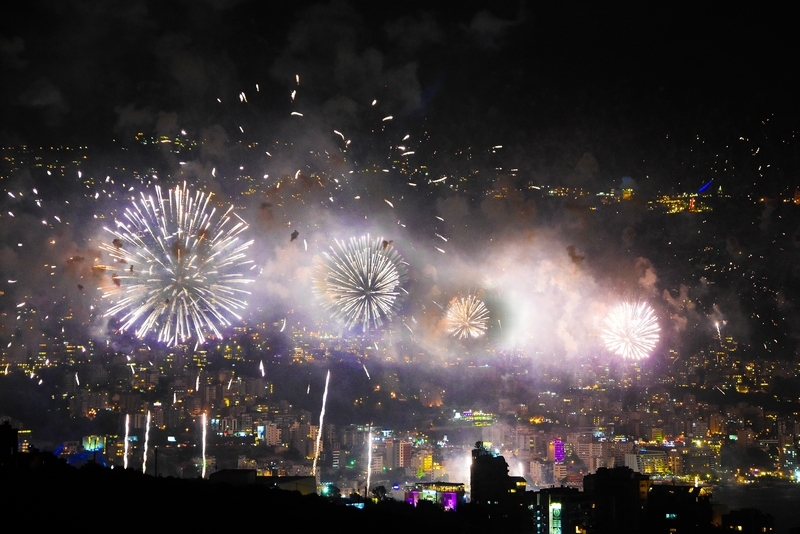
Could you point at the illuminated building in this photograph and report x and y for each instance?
(398, 453)
(24, 437)
(788, 459)
(272, 434)
(648, 462)
(539, 473)
(559, 472)
(477, 418)
(555, 451)
(699, 461)
(561, 510)
(675, 461)
(94, 443)
(444, 493)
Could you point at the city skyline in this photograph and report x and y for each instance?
(543, 164)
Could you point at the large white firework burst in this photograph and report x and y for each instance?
(361, 281)
(466, 317)
(179, 267)
(631, 330)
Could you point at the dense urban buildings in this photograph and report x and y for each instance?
(723, 413)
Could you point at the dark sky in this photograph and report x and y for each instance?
(93, 70)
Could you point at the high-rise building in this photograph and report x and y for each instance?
(561, 510)
(648, 462)
(273, 434)
(555, 451)
(490, 483)
(398, 454)
(619, 496)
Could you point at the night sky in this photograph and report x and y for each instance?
(576, 95)
(508, 70)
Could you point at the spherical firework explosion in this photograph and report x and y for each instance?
(180, 267)
(631, 330)
(361, 282)
(466, 317)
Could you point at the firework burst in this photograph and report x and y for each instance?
(360, 282)
(631, 330)
(179, 267)
(466, 317)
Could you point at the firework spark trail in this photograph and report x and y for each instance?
(321, 421)
(180, 266)
(367, 372)
(203, 470)
(369, 457)
(466, 317)
(361, 281)
(146, 443)
(631, 330)
(127, 435)
(261, 368)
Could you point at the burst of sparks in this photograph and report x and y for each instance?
(631, 330)
(466, 317)
(361, 281)
(179, 267)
